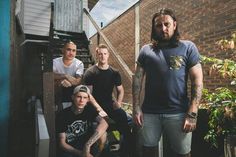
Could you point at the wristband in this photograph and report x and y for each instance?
(192, 115)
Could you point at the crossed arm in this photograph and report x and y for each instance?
(100, 130)
(67, 80)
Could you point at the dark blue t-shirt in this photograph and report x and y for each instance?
(166, 76)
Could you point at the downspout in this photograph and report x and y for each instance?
(137, 31)
(117, 57)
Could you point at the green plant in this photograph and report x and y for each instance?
(226, 67)
(221, 104)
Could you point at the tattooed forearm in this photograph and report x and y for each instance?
(196, 76)
(101, 128)
(196, 93)
(92, 139)
(98, 119)
(137, 87)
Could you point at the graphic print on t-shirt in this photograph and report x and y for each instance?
(176, 62)
(75, 130)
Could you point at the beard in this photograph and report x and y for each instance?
(163, 37)
(163, 40)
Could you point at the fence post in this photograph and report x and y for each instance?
(49, 109)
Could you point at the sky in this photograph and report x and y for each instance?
(107, 10)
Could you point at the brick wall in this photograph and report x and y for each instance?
(121, 35)
(202, 21)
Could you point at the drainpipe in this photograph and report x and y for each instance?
(137, 31)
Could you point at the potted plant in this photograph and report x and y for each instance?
(221, 103)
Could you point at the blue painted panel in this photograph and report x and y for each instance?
(4, 74)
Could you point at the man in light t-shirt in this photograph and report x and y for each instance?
(68, 72)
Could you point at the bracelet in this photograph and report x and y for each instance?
(192, 115)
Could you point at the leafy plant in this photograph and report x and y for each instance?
(221, 104)
(227, 68)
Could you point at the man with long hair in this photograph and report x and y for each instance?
(166, 64)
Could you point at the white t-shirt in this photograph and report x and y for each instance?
(76, 69)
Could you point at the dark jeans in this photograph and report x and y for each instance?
(94, 151)
(121, 120)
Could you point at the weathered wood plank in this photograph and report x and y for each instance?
(49, 109)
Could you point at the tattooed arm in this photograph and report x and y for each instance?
(67, 80)
(74, 80)
(100, 130)
(196, 77)
(136, 90)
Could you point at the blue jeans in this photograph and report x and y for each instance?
(172, 126)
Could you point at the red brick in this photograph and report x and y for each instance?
(202, 21)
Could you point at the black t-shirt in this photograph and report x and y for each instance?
(78, 128)
(103, 82)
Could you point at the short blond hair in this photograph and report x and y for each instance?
(101, 46)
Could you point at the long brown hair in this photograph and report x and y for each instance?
(154, 37)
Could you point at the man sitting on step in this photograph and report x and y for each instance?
(68, 72)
